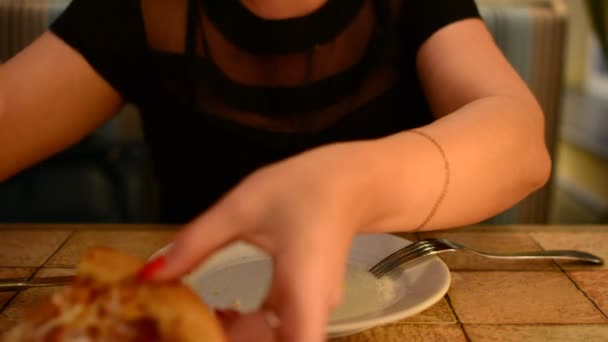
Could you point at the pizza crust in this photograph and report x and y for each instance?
(108, 266)
(105, 295)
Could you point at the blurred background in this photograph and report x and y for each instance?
(558, 46)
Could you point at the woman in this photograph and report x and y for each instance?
(292, 125)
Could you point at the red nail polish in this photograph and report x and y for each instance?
(151, 268)
(227, 315)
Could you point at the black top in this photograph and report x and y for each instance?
(223, 91)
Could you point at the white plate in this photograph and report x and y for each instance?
(239, 275)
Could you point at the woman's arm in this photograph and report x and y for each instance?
(50, 98)
(489, 125)
(304, 211)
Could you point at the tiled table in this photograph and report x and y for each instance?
(488, 300)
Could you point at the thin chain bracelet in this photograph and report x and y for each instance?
(444, 190)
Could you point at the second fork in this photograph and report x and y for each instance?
(423, 248)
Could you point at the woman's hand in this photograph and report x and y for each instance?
(304, 212)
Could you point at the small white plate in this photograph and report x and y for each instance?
(239, 275)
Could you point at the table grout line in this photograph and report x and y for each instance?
(539, 245)
(578, 287)
(41, 264)
(458, 322)
(61, 245)
(6, 304)
(424, 323)
(567, 275)
(36, 270)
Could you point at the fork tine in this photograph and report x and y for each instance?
(399, 255)
(395, 257)
(418, 254)
(411, 259)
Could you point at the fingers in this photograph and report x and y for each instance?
(306, 280)
(251, 327)
(302, 319)
(227, 317)
(195, 242)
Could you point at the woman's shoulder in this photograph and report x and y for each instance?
(100, 19)
(420, 19)
(109, 34)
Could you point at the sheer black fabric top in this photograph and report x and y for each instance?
(223, 91)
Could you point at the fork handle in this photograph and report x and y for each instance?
(556, 254)
(20, 284)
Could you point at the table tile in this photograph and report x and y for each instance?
(438, 313)
(12, 273)
(5, 297)
(492, 242)
(595, 284)
(520, 297)
(528, 228)
(29, 248)
(56, 272)
(29, 298)
(408, 332)
(592, 242)
(15, 272)
(540, 333)
(87, 226)
(138, 243)
(26, 299)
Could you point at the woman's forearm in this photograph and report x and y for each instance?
(3, 170)
(50, 98)
(496, 154)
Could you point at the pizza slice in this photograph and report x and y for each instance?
(105, 302)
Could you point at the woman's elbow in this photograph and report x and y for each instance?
(540, 169)
(538, 163)
(2, 101)
(532, 149)
(4, 174)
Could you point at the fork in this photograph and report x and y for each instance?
(419, 250)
